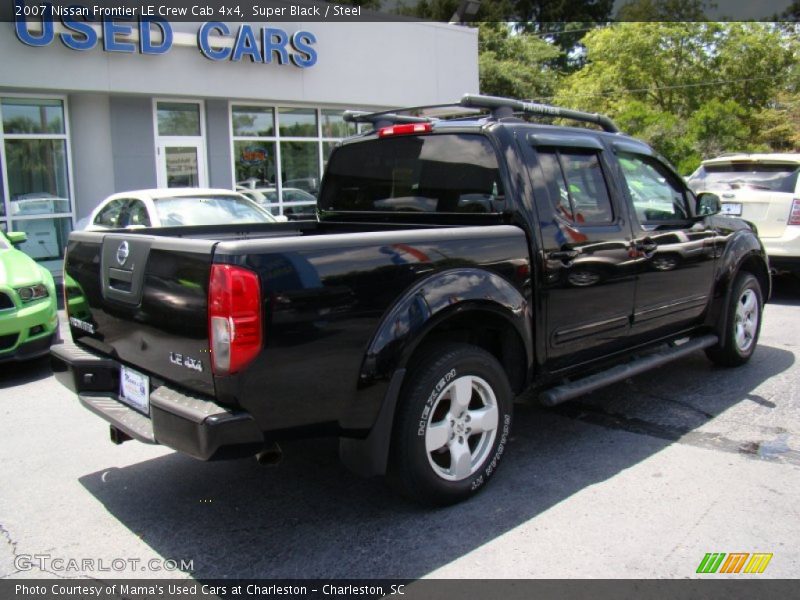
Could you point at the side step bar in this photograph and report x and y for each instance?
(579, 387)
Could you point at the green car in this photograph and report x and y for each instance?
(28, 309)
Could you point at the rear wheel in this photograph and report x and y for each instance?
(452, 426)
(743, 323)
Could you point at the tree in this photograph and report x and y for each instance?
(514, 64)
(692, 89)
(562, 24)
(663, 10)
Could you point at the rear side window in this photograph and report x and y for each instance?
(446, 173)
(135, 214)
(109, 216)
(754, 175)
(577, 186)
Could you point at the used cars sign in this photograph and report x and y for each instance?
(154, 35)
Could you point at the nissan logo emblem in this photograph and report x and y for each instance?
(122, 253)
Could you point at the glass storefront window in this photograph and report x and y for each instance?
(178, 118)
(35, 195)
(257, 121)
(47, 238)
(327, 148)
(269, 156)
(298, 122)
(37, 176)
(255, 164)
(334, 126)
(300, 166)
(32, 115)
(182, 165)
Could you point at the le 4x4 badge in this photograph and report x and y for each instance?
(186, 361)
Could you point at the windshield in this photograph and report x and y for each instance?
(209, 210)
(773, 177)
(450, 173)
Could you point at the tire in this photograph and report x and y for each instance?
(743, 323)
(452, 425)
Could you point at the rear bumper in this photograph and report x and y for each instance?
(184, 422)
(784, 251)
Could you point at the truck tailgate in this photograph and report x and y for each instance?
(143, 300)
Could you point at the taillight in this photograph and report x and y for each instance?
(794, 214)
(406, 129)
(234, 318)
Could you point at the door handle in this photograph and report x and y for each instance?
(647, 247)
(563, 255)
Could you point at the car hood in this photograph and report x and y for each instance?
(18, 269)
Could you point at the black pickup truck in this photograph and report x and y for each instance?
(457, 264)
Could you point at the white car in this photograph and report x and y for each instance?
(175, 207)
(296, 203)
(763, 189)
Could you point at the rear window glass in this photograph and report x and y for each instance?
(208, 210)
(448, 173)
(753, 175)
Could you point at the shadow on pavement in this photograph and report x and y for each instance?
(309, 517)
(785, 290)
(22, 372)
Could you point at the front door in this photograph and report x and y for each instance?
(589, 278)
(676, 253)
(181, 164)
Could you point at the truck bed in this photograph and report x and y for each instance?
(326, 289)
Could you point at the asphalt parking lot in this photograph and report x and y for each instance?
(639, 480)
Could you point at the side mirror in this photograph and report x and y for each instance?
(17, 237)
(281, 218)
(708, 204)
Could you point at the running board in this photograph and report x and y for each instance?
(576, 388)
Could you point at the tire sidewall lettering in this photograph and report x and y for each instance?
(482, 476)
(491, 465)
(437, 390)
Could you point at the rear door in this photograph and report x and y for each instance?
(675, 253)
(589, 277)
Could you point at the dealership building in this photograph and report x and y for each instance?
(93, 108)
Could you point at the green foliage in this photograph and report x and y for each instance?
(663, 10)
(514, 64)
(692, 89)
(558, 22)
(778, 126)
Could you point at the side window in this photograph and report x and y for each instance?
(109, 216)
(656, 193)
(577, 185)
(137, 214)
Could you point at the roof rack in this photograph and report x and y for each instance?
(381, 119)
(500, 108)
(507, 107)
